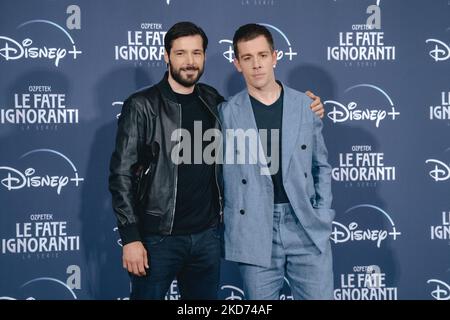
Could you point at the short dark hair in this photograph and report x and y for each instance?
(183, 29)
(249, 32)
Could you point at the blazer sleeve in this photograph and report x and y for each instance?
(321, 169)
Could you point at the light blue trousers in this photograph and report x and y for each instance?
(294, 256)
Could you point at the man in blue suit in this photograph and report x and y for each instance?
(277, 217)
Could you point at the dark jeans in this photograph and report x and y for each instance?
(193, 259)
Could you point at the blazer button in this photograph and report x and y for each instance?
(306, 176)
(244, 181)
(303, 146)
(242, 211)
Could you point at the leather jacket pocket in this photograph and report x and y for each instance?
(146, 169)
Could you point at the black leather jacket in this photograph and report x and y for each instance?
(143, 178)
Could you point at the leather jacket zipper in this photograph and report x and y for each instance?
(176, 173)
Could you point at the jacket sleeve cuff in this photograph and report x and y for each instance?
(129, 233)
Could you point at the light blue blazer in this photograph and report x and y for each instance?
(249, 195)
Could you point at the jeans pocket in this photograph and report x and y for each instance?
(154, 240)
(215, 232)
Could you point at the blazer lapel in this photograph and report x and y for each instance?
(246, 120)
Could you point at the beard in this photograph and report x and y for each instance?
(186, 81)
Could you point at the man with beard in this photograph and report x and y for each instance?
(168, 211)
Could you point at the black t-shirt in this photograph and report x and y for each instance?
(197, 201)
(270, 118)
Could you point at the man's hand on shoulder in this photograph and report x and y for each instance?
(316, 106)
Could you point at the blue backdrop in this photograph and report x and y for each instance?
(381, 68)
